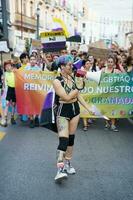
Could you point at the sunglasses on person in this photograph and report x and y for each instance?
(74, 53)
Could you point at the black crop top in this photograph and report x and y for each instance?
(65, 86)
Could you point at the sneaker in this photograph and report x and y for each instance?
(36, 122)
(61, 174)
(13, 120)
(113, 128)
(107, 127)
(85, 128)
(69, 168)
(3, 123)
(32, 125)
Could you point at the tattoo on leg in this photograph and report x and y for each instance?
(62, 124)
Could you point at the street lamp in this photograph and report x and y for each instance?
(38, 19)
(37, 24)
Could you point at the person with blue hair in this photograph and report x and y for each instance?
(67, 98)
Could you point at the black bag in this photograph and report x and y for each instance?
(47, 118)
(47, 115)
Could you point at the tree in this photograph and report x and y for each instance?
(27, 45)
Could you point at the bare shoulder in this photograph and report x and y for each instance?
(56, 83)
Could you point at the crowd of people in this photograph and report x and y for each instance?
(68, 95)
(117, 62)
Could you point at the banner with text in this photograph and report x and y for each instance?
(113, 97)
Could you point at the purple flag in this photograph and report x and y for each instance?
(78, 64)
(48, 100)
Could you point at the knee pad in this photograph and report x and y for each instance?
(71, 140)
(63, 143)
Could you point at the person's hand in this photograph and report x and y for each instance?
(81, 73)
(79, 81)
(44, 56)
(41, 54)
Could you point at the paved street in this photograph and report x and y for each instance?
(103, 160)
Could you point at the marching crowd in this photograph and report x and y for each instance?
(118, 61)
(66, 92)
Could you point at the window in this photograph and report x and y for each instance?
(24, 7)
(16, 6)
(46, 19)
(31, 8)
(83, 25)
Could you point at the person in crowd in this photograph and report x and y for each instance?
(82, 55)
(111, 68)
(124, 58)
(92, 68)
(32, 66)
(11, 96)
(93, 61)
(129, 64)
(87, 67)
(1, 91)
(16, 62)
(1, 79)
(48, 61)
(74, 53)
(34, 53)
(63, 52)
(67, 117)
(24, 58)
(100, 63)
(119, 63)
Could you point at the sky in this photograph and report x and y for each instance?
(113, 9)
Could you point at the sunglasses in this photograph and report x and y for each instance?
(74, 54)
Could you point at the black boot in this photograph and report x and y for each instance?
(13, 120)
(32, 124)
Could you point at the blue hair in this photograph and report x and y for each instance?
(63, 60)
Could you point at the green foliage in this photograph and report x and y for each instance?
(27, 44)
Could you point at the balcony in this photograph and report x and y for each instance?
(27, 22)
(48, 2)
(58, 6)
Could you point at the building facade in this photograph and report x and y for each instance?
(23, 17)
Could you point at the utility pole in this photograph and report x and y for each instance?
(4, 20)
(37, 22)
(38, 19)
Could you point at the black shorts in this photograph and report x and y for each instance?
(68, 110)
(11, 94)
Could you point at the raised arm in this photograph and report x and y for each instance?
(84, 104)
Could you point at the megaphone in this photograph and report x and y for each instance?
(94, 76)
